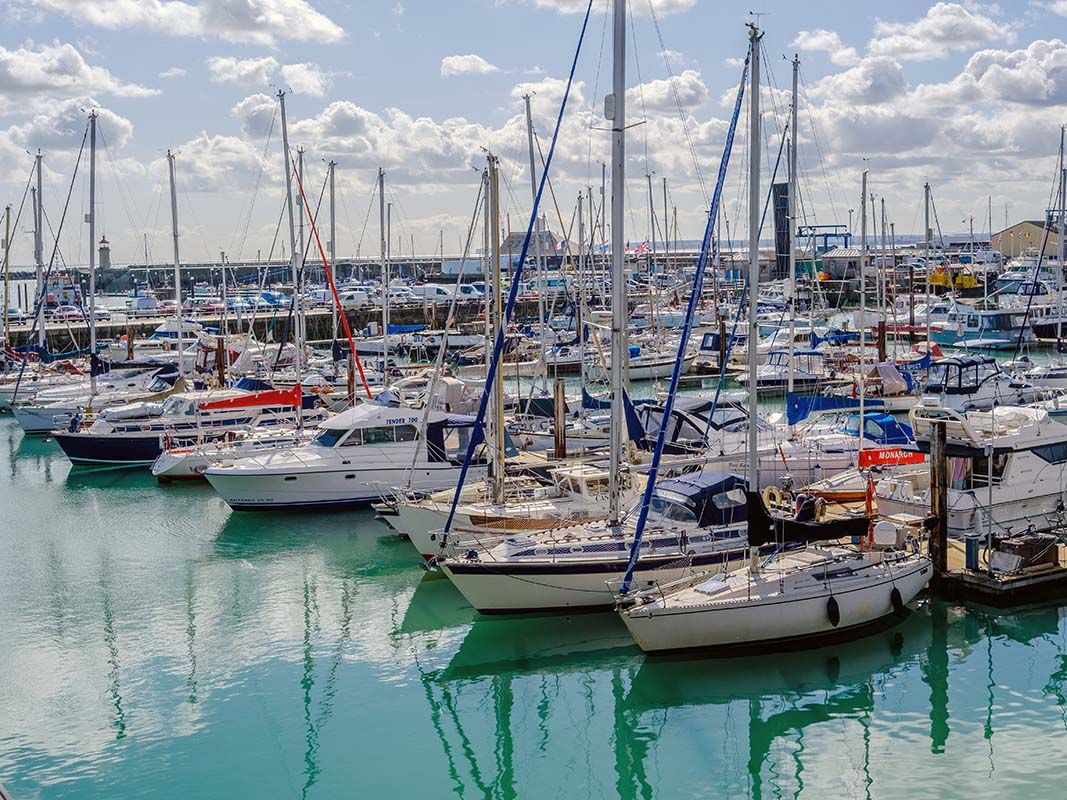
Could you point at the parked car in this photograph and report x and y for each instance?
(17, 316)
(67, 314)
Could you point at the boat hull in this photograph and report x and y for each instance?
(333, 488)
(495, 588)
(774, 621)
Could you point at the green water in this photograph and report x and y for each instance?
(154, 644)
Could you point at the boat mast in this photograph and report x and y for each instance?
(91, 219)
(177, 261)
(926, 257)
(863, 302)
(7, 274)
(754, 195)
(296, 259)
(487, 267)
(385, 277)
(333, 250)
(579, 316)
(615, 112)
(1063, 239)
(793, 224)
(498, 317)
(538, 257)
(38, 248)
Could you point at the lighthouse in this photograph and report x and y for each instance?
(105, 253)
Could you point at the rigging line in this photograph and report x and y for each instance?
(593, 97)
(678, 102)
(683, 341)
(818, 146)
(258, 181)
(120, 184)
(564, 231)
(38, 315)
(353, 353)
(366, 218)
(640, 83)
(22, 205)
(478, 434)
(450, 321)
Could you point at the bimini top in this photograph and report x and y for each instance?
(710, 497)
(966, 361)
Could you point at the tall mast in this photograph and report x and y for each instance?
(301, 321)
(91, 219)
(579, 317)
(651, 236)
(615, 112)
(498, 321)
(538, 256)
(666, 231)
(792, 209)
(753, 257)
(1063, 241)
(38, 248)
(333, 249)
(863, 299)
(177, 261)
(385, 277)
(7, 274)
(926, 257)
(296, 259)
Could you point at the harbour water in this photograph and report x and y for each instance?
(156, 644)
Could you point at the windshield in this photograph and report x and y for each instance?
(329, 437)
(938, 375)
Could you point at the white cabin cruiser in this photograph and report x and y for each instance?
(975, 382)
(359, 456)
(1029, 468)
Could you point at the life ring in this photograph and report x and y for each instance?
(772, 496)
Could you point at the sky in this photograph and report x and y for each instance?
(969, 96)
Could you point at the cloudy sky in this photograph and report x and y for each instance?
(969, 96)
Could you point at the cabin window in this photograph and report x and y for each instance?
(405, 433)
(972, 320)
(388, 434)
(329, 437)
(730, 499)
(1052, 453)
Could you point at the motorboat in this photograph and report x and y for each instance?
(806, 369)
(1029, 456)
(975, 382)
(137, 433)
(358, 456)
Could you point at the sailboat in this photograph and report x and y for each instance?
(695, 522)
(797, 594)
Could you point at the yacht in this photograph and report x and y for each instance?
(804, 595)
(135, 434)
(975, 382)
(56, 407)
(807, 368)
(359, 456)
(1029, 462)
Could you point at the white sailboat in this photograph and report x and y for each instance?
(796, 595)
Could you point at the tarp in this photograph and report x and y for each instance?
(800, 407)
(405, 328)
(764, 529)
(271, 397)
(892, 381)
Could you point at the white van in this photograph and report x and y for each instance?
(431, 291)
(142, 307)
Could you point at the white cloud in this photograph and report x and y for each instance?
(215, 163)
(944, 28)
(822, 40)
(56, 70)
(261, 22)
(470, 64)
(1057, 7)
(173, 72)
(255, 113)
(306, 79)
(242, 71)
(61, 126)
(876, 79)
(657, 95)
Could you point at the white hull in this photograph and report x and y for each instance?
(968, 517)
(773, 617)
(561, 586)
(351, 485)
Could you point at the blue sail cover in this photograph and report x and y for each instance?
(635, 431)
(800, 407)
